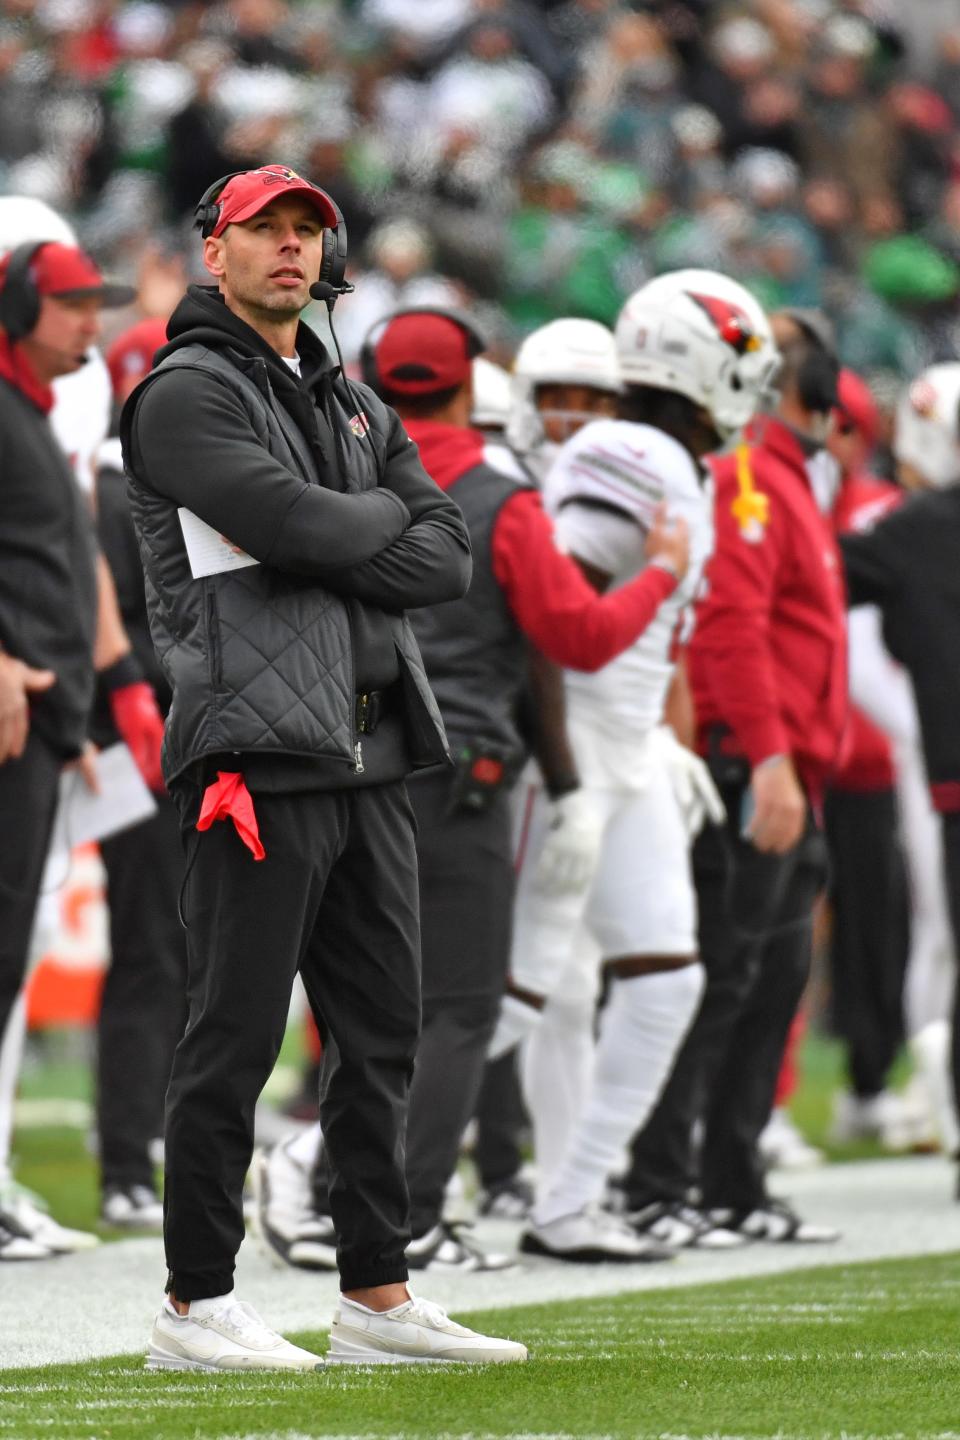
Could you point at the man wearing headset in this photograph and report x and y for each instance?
(53, 619)
(767, 667)
(906, 565)
(525, 592)
(285, 524)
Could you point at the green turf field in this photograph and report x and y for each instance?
(838, 1353)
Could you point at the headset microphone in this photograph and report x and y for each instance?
(323, 290)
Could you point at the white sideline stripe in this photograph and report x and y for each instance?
(886, 1209)
(54, 1114)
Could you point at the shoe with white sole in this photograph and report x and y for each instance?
(14, 1245)
(893, 1120)
(221, 1334)
(291, 1231)
(782, 1147)
(592, 1237)
(510, 1200)
(777, 1222)
(30, 1213)
(448, 1248)
(683, 1227)
(132, 1207)
(415, 1333)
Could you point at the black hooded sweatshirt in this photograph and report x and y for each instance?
(154, 451)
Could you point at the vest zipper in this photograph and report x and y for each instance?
(213, 634)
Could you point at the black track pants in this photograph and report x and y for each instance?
(868, 890)
(466, 902)
(143, 1003)
(755, 942)
(28, 802)
(336, 898)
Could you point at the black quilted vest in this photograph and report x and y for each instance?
(473, 649)
(259, 660)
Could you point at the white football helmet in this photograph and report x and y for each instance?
(565, 352)
(23, 218)
(702, 335)
(927, 434)
(492, 395)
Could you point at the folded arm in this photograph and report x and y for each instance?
(191, 440)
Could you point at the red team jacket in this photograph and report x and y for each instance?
(768, 657)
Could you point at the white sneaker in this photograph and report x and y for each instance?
(14, 1245)
(32, 1218)
(887, 1118)
(684, 1227)
(782, 1147)
(290, 1230)
(221, 1334)
(132, 1207)
(592, 1237)
(415, 1333)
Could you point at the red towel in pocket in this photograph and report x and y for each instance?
(227, 798)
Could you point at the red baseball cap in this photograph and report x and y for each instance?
(421, 351)
(246, 195)
(70, 274)
(132, 352)
(856, 405)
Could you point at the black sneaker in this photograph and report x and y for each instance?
(132, 1207)
(290, 1228)
(447, 1248)
(510, 1200)
(677, 1224)
(777, 1222)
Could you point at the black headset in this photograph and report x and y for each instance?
(370, 375)
(20, 298)
(333, 263)
(818, 369)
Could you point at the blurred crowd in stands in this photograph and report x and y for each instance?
(529, 160)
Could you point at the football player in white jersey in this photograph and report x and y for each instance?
(696, 356)
(565, 374)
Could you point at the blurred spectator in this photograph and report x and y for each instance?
(196, 154)
(846, 134)
(557, 152)
(399, 276)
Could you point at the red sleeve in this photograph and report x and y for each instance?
(732, 635)
(554, 604)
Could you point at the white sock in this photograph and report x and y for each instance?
(11, 1056)
(641, 1031)
(555, 1070)
(304, 1149)
(367, 1310)
(930, 1048)
(199, 1309)
(517, 1021)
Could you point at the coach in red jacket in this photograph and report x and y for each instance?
(768, 671)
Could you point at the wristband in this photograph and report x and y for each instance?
(563, 785)
(125, 671)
